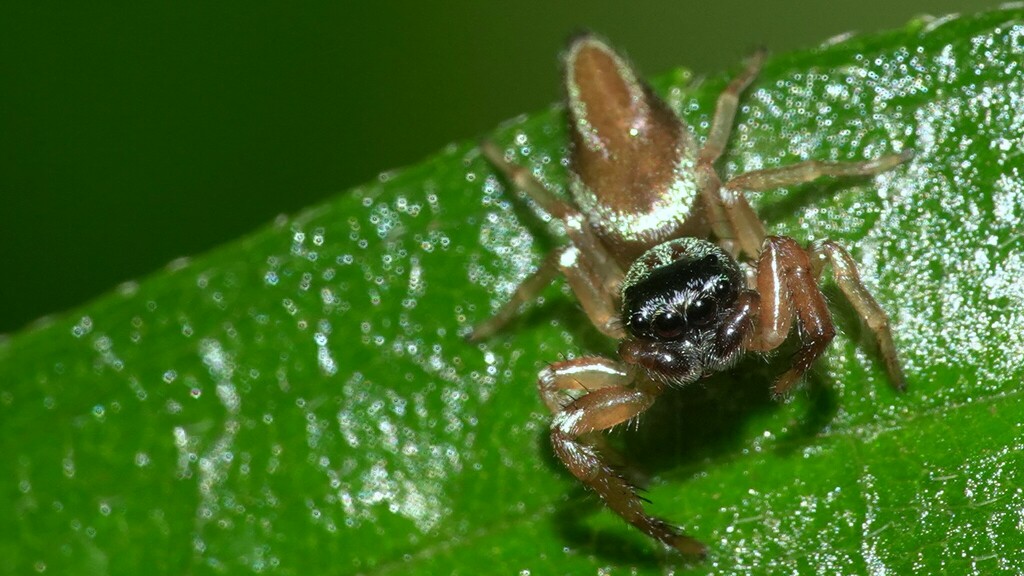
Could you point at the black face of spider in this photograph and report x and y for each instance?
(673, 303)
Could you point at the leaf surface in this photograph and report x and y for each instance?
(302, 400)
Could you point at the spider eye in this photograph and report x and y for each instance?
(668, 324)
(701, 312)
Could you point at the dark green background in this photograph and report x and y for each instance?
(134, 134)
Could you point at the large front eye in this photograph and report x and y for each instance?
(668, 324)
(702, 312)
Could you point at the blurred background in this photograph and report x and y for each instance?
(134, 133)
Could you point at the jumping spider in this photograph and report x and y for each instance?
(645, 201)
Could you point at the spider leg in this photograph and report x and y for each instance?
(522, 179)
(592, 272)
(808, 170)
(787, 287)
(725, 110)
(595, 286)
(844, 271)
(748, 230)
(729, 215)
(738, 228)
(526, 291)
(610, 400)
(562, 382)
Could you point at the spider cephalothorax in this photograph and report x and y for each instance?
(646, 205)
(675, 300)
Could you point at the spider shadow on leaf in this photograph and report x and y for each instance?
(621, 547)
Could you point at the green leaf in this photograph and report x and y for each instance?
(302, 401)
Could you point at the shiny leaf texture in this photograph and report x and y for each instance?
(302, 401)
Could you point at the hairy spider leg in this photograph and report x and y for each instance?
(725, 110)
(808, 170)
(592, 273)
(525, 292)
(611, 399)
(522, 179)
(732, 219)
(788, 288)
(846, 276)
(562, 382)
(748, 228)
(730, 216)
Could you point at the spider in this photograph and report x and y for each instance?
(672, 262)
